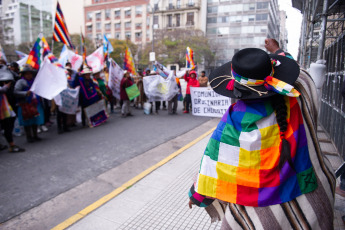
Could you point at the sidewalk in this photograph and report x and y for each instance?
(160, 200)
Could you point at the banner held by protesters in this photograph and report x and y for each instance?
(96, 113)
(206, 102)
(115, 77)
(67, 100)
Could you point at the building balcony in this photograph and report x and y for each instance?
(138, 39)
(172, 7)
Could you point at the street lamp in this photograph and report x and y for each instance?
(153, 17)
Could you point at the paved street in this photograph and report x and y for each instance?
(62, 162)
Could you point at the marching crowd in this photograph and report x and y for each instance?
(33, 113)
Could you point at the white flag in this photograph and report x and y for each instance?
(115, 77)
(68, 55)
(50, 80)
(22, 61)
(96, 59)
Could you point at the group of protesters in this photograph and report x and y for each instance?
(33, 112)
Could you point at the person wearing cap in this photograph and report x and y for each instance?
(263, 165)
(190, 78)
(125, 82)
(30, 110)
(7, 109)
(88, 93)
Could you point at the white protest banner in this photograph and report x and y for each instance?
(96, 113)
(96, 59)
(50, 80)
(115, 77)
(159, 89)
(206, 102)
(67, 100)
(68, 55)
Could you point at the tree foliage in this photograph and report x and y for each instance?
(170, 47)
(119, 49)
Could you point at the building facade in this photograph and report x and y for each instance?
(237, 24)
(117, 19)
(179, 14)
(23, 20)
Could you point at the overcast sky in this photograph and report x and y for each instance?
(74, 15)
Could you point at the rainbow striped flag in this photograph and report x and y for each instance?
(60, 33)
(190, 58)
(128, 63)
(39, 51)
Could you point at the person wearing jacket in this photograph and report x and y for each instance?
(125, 82)
(7, 108)
(30, 110)
(190, 78)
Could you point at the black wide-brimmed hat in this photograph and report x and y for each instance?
(250, 75)
(27, 68)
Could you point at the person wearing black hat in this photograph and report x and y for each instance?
(262, 160)
(30, 110)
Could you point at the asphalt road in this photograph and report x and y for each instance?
(61, 162)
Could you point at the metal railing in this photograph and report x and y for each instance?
(332, 113)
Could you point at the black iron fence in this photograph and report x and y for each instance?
(332, 114)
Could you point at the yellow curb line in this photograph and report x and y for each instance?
(75, 218)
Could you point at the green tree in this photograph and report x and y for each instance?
(119, 50)
(170, 47)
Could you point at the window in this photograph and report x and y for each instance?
(117, 26)
(98, 26)
(138, 35)
(89, 28)
(212, 9)
(128, 35)
(190, 3)
(261, 17)
(117, 13)
(98, 16)
(212, 20)
(248, 18)
(261, 5)
(178, 4)
(117, 35)
(148, 21)
(127, 13)
(107, 26)
(155, 20)
(127, 25)
(260, 29)
(223, 30)
(169, 20)
(236, 18)
(223, 19)
(190, 19)
(249, 6)
(211, 30)
(89, 16)
(107, 13)
(247, 29)
(10, 7)
(156, 7)
(178, 19)
(137, 25)
(138, 10)
(235, 30)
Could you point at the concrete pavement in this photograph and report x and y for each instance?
(159, 200)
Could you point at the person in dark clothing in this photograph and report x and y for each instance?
(7, 108)
(273, 46)
(125, 82)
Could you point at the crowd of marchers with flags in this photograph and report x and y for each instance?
(82, 89)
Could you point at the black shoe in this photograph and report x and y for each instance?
(129, 114)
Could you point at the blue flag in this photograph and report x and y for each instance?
(107, 47)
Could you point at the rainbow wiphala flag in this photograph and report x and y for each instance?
(190, 58)
(39, 51)
(128, 63)
(240, 163)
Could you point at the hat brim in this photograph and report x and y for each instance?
(287, 71)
